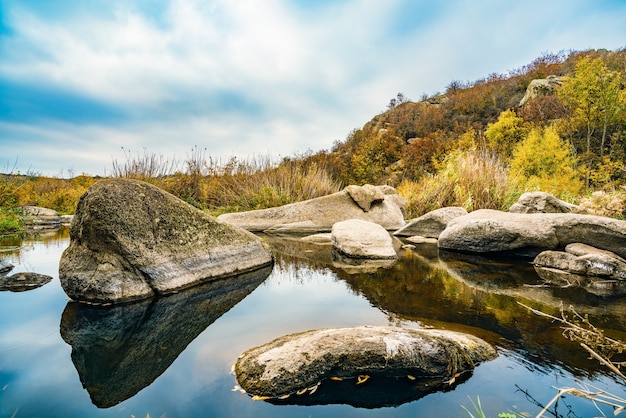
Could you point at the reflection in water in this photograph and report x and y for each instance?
(119, 350)
(477, 295)
(377, 392)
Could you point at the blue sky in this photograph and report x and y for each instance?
(80, 79)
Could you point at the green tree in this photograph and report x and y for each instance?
(543, 161)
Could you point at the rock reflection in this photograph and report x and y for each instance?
(119, 350)
(377, 392)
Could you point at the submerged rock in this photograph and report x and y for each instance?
(320, 214)
(291, 364)
(486, 230)
(361, 239)
(131, 240)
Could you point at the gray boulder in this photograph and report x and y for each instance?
(131, 240)
(486, 230)
(319, 214)
(297, 364)
(431, 224)
(584, 260)
(362, 239)
(121, 349)
(540, 202)
(35, 217)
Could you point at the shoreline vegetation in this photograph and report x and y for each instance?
(472, 146)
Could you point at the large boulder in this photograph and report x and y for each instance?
(540, 202)
(119, 350)
(362, 239)
(291, 364)
(131, 240)
(431, 224)
(486, 230)
(378, 204)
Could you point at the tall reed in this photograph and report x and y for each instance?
(471, 179)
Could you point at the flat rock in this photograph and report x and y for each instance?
(23, 281)
(320, 214)
(291, 364)
(485, 231)
(431, 224)
(35, 217)
(362, 239)
(584, 260)
(131, 240)
(541, 202)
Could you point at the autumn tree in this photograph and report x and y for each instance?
(595, 104)
(543, 161)
(503, 135)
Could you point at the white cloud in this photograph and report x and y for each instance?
(247, 77)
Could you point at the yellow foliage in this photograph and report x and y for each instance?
(544, 162)
(503, 135)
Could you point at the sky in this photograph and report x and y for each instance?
(84, 83)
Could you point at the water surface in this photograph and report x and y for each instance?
(172, 357)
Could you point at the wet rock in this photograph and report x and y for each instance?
(492, 231)
(361, 239)
(131, 240)
(293, 363)
(319, 215)
(5, 267)
(431, 224)
(21, 282)
(581, 265)
(540, 202)
(119, 350)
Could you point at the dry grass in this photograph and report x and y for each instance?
(471, 179)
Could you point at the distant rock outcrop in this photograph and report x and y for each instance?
(297, 364)
(486, 230)
(379, 204)
(131, 240)
(541, 87)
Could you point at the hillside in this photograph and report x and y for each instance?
(407, 141)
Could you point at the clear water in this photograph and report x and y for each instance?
(172, 357)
